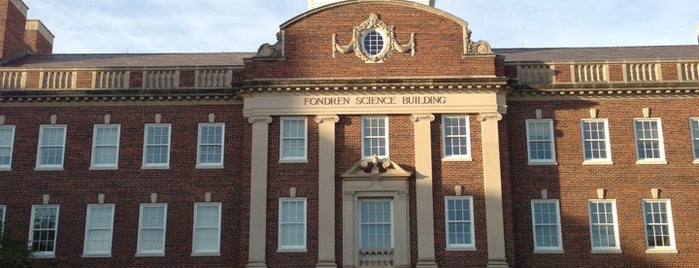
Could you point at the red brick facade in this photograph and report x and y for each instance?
(443, 65)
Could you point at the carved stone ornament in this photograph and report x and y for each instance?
(272, 50)
(373, 41)
(479, 47)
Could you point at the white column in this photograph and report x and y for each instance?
(326, 190)
(258, 191)
(492, 180)
(423, 191)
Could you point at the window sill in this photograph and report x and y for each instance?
(155, 167)
(457, 159)
(48, 168)
(598, 163)
(208, 167)
(104, 168)
(88, 256)
(548, 251)
(651, 162)
(661, 250)
(150, 254)
(542, 163)
(5, 169)
(696, 161)
(291, 250)
(461, 248)
(206, 254)
(293, 161)
(606, 251)
(43, 255)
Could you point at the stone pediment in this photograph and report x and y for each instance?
(376, 168)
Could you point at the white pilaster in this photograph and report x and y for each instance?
(492, 180)
(423, 193)
(258, 191)
(326, 190)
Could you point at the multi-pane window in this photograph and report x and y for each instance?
(43, 229)
(206, 237)
(540, 144)
(52, 141)
(151, 229)
(374, 136)
(456, 139)
(657, 217)
(546, 222)
(156, 146)
(210, 145)
(105, 146)
(2, 219)
(459, 222)
(694, 128)
(595, 138)
(98, 230)
(604, 228)
(293, 139)
(7, 137)
(375, 223)
(649, 139)
(292, 224)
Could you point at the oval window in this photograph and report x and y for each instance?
(373, 43)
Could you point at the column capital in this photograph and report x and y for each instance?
(254, 119)
(323, 118)
(489, 116)
(419, 117)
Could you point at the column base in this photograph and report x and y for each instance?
(326, 264)
(498, 264)
(427, 264)
(256, 265)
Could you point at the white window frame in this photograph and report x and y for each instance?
(660, 159)
(8, 167)
(596, 161)
(365, 137)
(694, 128)
(2, 219)
(195, 228)
(392, 223)
(544, 249)
(110, 166)
(37, 253)
(470, 221)
(40, 146)
(151, 253)
(296, 248)
(212, 165)
(282, 139)
(165, 165)
(552, 142)
(671, 229)
(614, 225)
(98, 253)
(456, 157)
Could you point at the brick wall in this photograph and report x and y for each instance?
(11, 30)
(625, 181)
(180, 186)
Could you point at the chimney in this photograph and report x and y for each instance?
(38, 37)
(13, 17)
(697, 32)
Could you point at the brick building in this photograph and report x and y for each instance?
(373, 133)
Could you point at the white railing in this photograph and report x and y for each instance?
(111, 79)
(534, 74)
(642, 72)
(166, 79)
(57, 80)
(590, 73)
(214, 78)
(9, 80)
(376, 257)
(689, 71)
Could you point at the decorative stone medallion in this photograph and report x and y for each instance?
(373, 41)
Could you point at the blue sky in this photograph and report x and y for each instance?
(157, 26)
